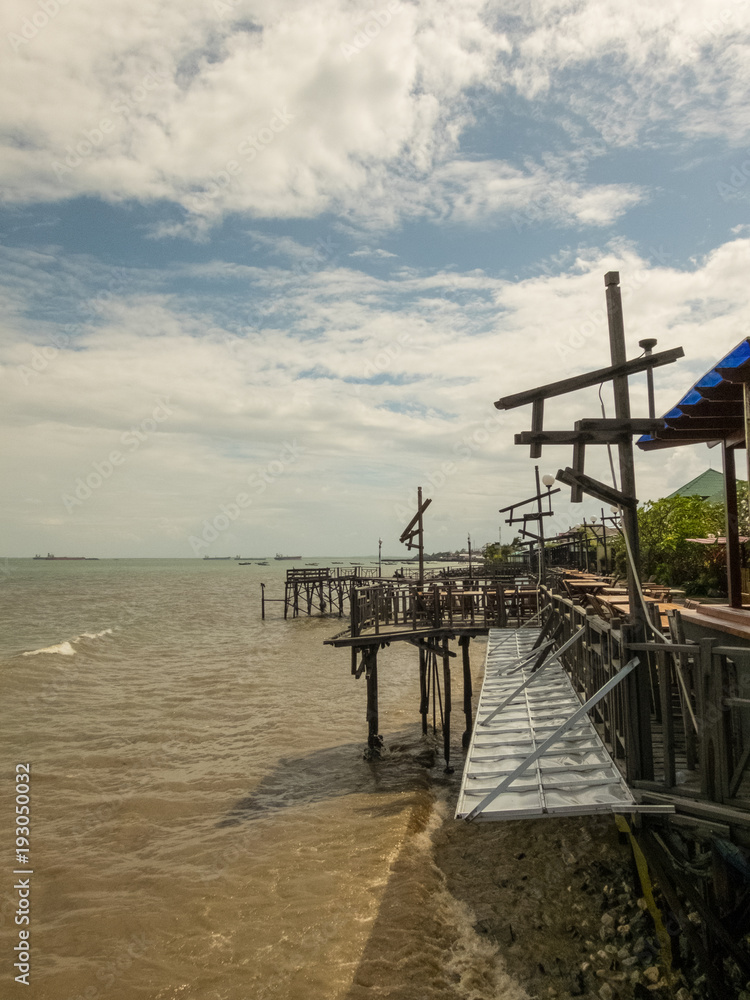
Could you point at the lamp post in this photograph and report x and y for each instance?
(548, 481)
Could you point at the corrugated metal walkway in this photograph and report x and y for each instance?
(573, 776)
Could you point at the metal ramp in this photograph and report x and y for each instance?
(519, 763)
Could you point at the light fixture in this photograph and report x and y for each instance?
(593, 520)
(615, 510)
(548, 480)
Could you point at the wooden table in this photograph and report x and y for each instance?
(621, 607)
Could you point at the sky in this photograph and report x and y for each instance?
(267, 266)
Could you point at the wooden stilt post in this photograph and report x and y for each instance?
(263, 602)
(374, 741)
(464, 644)
(424, 701)
(286, 599)
(447, 711)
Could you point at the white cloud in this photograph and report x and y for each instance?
(189, 106)
(381, 383)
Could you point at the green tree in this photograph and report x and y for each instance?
(666, 555)
(495, 554)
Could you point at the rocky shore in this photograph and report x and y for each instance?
(561, 900)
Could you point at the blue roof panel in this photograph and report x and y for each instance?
(710, 379)
(737, 357)
(715, 403)
(691, 398)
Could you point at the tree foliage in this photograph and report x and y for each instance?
(666, 555)
(495, 554)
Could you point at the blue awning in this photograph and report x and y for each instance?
(711, 410)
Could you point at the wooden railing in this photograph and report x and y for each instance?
(682, 725)
(477, 604)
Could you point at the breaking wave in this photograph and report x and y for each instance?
(66, 648)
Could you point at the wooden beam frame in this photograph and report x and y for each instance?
(592, 487)
(590, 378)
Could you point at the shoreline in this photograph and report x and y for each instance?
(559, 898)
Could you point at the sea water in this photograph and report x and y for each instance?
(203, 822)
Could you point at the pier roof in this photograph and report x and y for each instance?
(712, 409)
(716, 408)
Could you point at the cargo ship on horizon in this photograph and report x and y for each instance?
(67, 558)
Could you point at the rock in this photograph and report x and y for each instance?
(623, 930)
(606, 992)
(607, 919)
(652, 974)
(577, 985)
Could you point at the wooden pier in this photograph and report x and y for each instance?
(429, 615)
(666, 689)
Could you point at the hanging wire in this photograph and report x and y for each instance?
(649, 624)
(659, 635)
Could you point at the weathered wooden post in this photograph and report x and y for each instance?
(447, 707)
(424, 699)
(263, 602)
(625, 446)
(464, 644)
(734, 568)
(640, 756)
(374, 741)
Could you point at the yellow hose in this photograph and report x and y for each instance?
(642, 866)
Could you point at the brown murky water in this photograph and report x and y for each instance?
(203, 822)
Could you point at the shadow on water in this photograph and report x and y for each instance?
(421, 945)
(333, 772)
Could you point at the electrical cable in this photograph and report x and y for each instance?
(660, 636)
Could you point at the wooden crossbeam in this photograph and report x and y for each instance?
(521, 503)
(407, 530)
(571, 437)
(634, 425)
(590, 378)
(607, 494)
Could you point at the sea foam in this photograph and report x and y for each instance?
(63, 648)
(66, 648)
